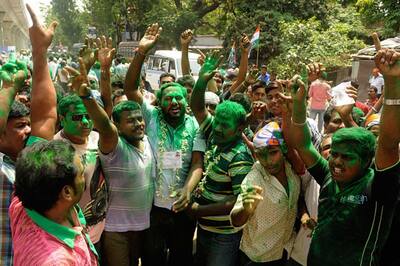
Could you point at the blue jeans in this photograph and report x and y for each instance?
(320, 121)
(215, 249)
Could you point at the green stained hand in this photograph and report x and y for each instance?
(14, 73)
(210, 65)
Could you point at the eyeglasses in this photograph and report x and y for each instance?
(80, 117)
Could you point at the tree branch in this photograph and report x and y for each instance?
(178, 4)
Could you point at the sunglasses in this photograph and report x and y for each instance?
(80, 117)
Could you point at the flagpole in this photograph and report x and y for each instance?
(258, 52)
(258, 47)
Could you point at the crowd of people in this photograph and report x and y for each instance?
(237, 167)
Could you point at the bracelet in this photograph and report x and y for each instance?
(391, 101)
(374, 109)
(298, 124)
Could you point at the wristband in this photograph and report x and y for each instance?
(391, 101)
(298, 124)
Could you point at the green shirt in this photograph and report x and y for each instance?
(353, 224)
(225, 170)
(64, 234)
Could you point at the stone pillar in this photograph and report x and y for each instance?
(2, 14)
(7, 31)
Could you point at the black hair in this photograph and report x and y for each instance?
(186, 80)
(166, 74)
(243, 100)
(41, 172)
(124, 106)
(18, 110)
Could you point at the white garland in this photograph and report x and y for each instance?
(173, 188)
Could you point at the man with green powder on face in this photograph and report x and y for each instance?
(78, 130)
(227, 161)
(129, 165)
(356, 203)
(173, 137)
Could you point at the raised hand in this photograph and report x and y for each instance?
(298, 89)
(201, 58)
(287, 103)
(251, 197)
(244, 42)
(314, 71)
(89, 53)
(79, 79)
(252, 76)
(210, 65)
(13, 74)
(149, 39)
(186, 37)
(106, 52)
(387, 60)
(40, 36)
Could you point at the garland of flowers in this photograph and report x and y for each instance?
(183, 146)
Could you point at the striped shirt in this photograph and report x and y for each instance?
(40, 241)
(353, 223)
(130, 175)
(7, 177)
(225, 170)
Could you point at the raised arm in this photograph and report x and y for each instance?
(44, 99)
(107, 130)
(186, 38)
(131, 86)
(244, 60)
(207, 71)
(105, 56)
(11, 84)
(345, 111)
(299, 132)
(388, 62)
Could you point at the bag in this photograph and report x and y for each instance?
(95, 211)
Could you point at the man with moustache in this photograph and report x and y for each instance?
(173, 136)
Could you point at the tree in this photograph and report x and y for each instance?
(383, 14)
(70, 29)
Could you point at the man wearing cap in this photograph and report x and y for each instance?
(264, 76)
(267, 206)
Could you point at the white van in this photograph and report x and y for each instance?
(168, 61)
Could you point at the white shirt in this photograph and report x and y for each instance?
(270, 229)
(302, 242)
(378, 82)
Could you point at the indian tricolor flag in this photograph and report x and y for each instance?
(255, 40)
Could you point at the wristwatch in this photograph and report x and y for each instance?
(392, 101)
(87, 97)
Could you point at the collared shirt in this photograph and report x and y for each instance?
(270, 229)
(167, 177)
(40, 241)
(7, 176)
(130, 174)
(225, 171)
(353, 223)
(88, 152)
(264, 78)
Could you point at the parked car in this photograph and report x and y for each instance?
(168, 61)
